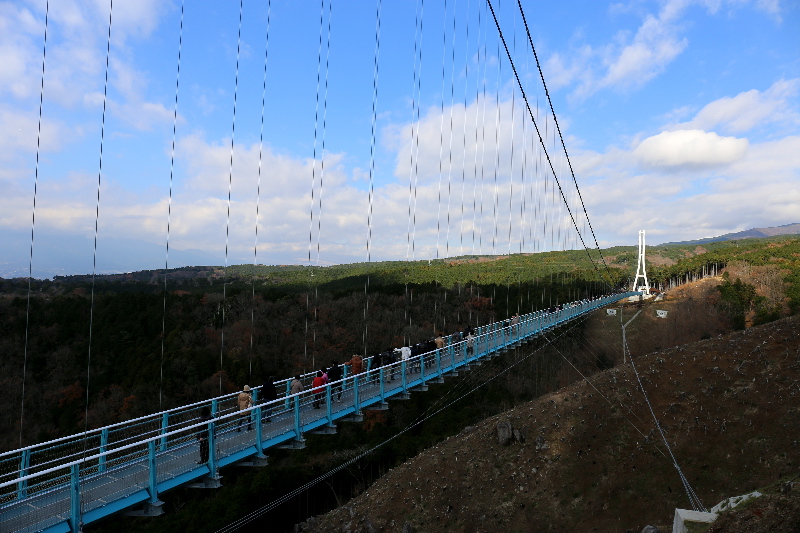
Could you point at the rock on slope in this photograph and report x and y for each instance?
(589, 457)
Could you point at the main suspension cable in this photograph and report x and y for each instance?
(541, 141)
(564, 146)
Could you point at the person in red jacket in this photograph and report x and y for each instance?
(318, 384)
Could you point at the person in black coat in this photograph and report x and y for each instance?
(268, 394)
(202, 435)
(335, 374)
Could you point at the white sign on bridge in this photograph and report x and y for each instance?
(661, 314)
(611, 312)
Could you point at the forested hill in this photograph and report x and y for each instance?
(610, 266)
(245, 323)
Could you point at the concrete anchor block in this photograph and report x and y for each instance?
(355, 417)
(420, 388)
(382, 406)
(682, 516)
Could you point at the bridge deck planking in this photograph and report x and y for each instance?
(107, 481)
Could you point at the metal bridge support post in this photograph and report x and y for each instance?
(422, 368)
(403, 374)
(259, 432)
(382, 384)
(164, 429)
(153, 506)
(152, 472)
(286, 403)
(212, 448)
(356, 396)
(452, 350)
(255, 402)
(298, 430)
(75, 521)
(214, 408)
(101, 462)
(328, 404)
(24, 463)
(344, 377)
(439, 362)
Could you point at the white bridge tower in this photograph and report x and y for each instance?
(641, 273)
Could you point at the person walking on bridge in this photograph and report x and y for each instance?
(334, 375)
(318, 390)
(245, 402)
(202, 435)
(296, 385)
(268, 394)
(356, 364)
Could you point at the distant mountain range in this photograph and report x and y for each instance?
(755, 233)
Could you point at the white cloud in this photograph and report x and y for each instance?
(632, 59)
(689, 148)
(749, 109)
(759, 188)
(655, 45)
(18, 134)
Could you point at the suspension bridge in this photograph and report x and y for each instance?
(59, 486)
(63, 484)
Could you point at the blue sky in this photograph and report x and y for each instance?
(680, 117)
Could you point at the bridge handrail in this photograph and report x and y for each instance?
(157, 415)
(159, 434)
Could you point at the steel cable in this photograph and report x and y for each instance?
(258, 195)
(169, 210)
(230, 186)
(33, 225)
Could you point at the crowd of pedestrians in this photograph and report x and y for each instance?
(355, 367)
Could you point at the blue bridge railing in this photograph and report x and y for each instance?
(60, 485)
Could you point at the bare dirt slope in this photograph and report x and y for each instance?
(592, 458)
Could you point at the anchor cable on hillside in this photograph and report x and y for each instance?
(697, 505)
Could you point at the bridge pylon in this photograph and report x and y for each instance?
(640, 283)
